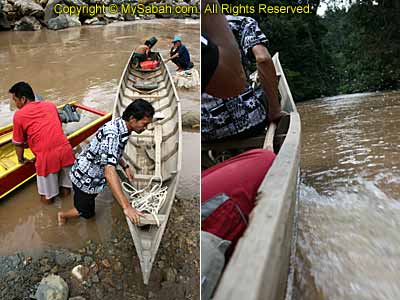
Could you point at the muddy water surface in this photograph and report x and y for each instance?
(349, 213)
(83, 64)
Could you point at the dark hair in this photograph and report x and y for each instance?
(151, 41)
(22, 89)
(138, 109)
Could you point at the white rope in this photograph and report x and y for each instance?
(149, 199)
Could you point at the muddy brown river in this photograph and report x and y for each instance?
(83, 64)
(349, 211)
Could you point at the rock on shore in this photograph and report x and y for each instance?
(191, 120)
(36, 14)
(52, 287)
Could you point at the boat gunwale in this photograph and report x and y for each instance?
(267, 235)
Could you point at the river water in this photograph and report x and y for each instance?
(83, 64)
(349, 211)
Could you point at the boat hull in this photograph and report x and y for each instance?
(259, 266)
(155, 152)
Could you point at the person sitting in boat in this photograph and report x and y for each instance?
(179, 55)
(37, 123)
(143, 52)
(96, 165)
(230, 107)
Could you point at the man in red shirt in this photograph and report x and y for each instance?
(37, 123)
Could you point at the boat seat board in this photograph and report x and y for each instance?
(9, 160)
(145, 85)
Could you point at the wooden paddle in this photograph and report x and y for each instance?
(269, 138)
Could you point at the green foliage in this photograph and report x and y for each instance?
(364, 42)
(345, 51)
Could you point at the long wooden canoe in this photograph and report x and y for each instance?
(155, 152)
(259, 266)
(14, 174)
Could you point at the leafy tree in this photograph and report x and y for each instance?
(354, 47)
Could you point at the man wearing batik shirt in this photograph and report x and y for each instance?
(37, 123)
(246, 113)
(96, 165)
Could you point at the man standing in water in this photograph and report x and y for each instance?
(96, 165)
(180, 55)
(38, 124)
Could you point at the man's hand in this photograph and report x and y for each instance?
(113, 182)
(133, 214)
(129, 174)
(19, 151)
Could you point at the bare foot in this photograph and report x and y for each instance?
(46, 201)
(61, 219)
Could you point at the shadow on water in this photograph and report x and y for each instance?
(83, 64)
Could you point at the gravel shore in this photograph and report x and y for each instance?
(112, 269)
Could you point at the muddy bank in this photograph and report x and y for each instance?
(114, 270)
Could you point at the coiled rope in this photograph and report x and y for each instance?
(149, 199)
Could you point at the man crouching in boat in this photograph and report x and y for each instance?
(38, 124)
(97, 164)
(143, 52)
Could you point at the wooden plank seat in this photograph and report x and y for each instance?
(145, 85)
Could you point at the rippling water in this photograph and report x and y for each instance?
(349, 212)
(83, 64)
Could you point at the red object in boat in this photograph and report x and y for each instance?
(228, 193)
(149, 64)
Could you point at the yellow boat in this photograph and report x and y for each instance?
(13, 174)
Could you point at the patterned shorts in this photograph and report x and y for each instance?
(225, 118)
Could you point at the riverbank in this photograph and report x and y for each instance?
(113, 270)
(33, 15)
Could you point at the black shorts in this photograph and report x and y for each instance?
(84, 203)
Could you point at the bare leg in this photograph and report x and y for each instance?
(63, 216)
(46, 201)
(64, 191)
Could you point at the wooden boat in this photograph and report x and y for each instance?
(155, 152)
(13, 174)
(259, 266)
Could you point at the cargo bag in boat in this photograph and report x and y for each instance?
(229, 192)
(212, 262)
(149, 64)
